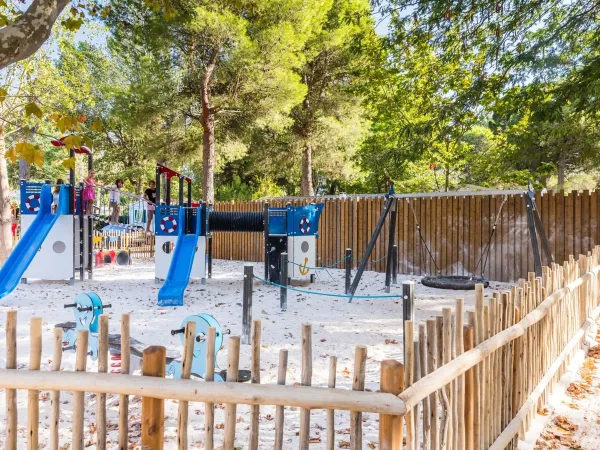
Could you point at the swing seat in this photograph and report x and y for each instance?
(456, 282)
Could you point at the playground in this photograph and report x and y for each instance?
(337, 327)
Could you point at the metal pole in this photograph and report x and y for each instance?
(81, 232)
(390, 249)
(348, 269)
(247, 303)
(189, 194)
(283, 280)
(157, 182)
(266, 236)
(395, 264)
(370, 246)
(181, 200)
(168, 193)
(537, 258)
(408, 303)
(90, 247)
(210, 242)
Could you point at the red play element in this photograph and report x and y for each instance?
(83, 150)
(171, 173)
(99, 258)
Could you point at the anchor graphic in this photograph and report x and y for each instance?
(303, 267)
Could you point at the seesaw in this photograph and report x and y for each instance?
(88, 307)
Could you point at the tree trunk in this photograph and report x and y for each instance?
(208, 159)
(23, 170)
(5, 214)
(208, 137)
(447, 180)
(307, 181)
(562, 168)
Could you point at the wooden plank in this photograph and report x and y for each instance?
(478, 247)
(585, 236)
(55, 395)
(280, 410)
(472, 234)
(79, 397)
(577, 228)
(186, 372)
(209, 408)
(255, 368)
(11, 394)
(153, 409)
(101, 424)
(124, 399)
(306, 380)
(390, 427)
(330, 443)
(233, 347)
(570, 224)
(593, 220)
(511, 250)
(33, 396)
(358, 384)
(442, 263)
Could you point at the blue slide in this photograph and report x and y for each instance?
(171, 293)
(18, 261)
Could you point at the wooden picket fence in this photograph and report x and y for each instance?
(456, 227)
(138, 243)
(481, 386)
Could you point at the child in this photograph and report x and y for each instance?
(89, 194)
(55, 195)
(150, 195)
(115, 201)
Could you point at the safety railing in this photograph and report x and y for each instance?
(477, 384)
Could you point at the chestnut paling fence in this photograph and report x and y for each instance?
(456, 228)
(471, 379)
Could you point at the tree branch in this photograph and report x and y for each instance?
(25, 36)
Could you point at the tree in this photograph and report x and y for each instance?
(330, 116)
(233, 61)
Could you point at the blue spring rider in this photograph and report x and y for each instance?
(88, 307)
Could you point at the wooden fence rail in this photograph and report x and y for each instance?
(477, 376)
(456, 229)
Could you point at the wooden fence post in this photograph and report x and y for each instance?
(390, 427)
(255, 366)
(186, 372)
(209, 408)
(279, 412)
(153, 409)
(330, 444)
(409, 362)
(11, 394)
(33, 396)
(469, 403)
(55, 395)
(102, 368)
(233, 347)
(306, 378)
(79, 397)
(124, 399)
(358, 384)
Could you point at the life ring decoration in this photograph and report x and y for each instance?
(168, 224)
(33, 202)
(304, 225)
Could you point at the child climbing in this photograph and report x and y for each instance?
(89, 194)
(115, 201)
(150, 195)
(55, 193)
